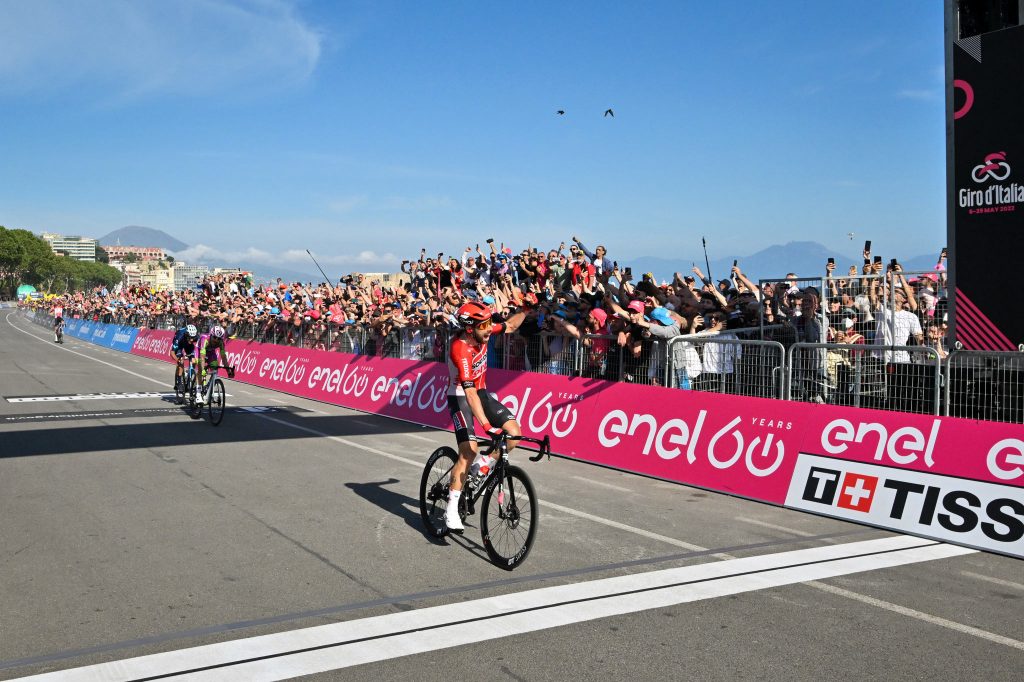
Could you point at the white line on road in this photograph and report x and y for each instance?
(335, 646)
(419, 437)
(926, 617)
(765, 524)
(994, 581)
(602, 484)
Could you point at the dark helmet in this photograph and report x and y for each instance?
(472, 313)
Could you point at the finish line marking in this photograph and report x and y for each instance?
(88, 396)
(324, 648)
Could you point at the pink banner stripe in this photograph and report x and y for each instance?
(967, 322)
(966, 337)
(977, 320)
(987, 341)
(1002, 341)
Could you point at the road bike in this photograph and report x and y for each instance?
(58, 332)
(183, 386)
(508, 522)
(213, 393)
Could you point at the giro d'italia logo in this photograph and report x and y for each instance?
(994, 168)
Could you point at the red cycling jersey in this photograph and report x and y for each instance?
(467, 363)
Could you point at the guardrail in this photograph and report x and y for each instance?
(984, 385)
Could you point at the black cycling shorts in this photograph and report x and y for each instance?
(497, 414)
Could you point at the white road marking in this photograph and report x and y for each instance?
(344, 441)
(324, 648)
(623, 526)
(995, 581)
(784, 529)
(927, 618)
(87, 396)
(282, 402)
(602, 484)
(364, 422)
(419, 437)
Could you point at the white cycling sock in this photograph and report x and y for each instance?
(453, 496)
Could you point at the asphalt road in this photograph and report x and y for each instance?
(287, 541)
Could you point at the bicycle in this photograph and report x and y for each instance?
(58, 332)
(214, 394)
(183, 385)
(509, 526)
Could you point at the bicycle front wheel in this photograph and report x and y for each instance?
(195, 410)
(218, 402)
(434, 485)
(510, 517)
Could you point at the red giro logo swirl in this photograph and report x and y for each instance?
(994, 168)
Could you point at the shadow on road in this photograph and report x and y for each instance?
(239, 426)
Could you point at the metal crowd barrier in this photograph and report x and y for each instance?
(971, 384)
(724, 364)
(859, 375)
(985, 385)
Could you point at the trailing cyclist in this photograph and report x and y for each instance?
(58, 322)
(468, 398)
(183, 346)
(212, 353)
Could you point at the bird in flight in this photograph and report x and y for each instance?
(560, 112)
(609, 112)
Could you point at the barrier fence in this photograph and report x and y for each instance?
(911, 379)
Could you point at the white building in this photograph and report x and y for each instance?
(79, 248)
(188, 276)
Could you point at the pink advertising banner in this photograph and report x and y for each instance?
(954, 479)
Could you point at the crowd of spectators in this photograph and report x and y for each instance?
(587, 313)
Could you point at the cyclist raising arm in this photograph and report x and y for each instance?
(469, 399)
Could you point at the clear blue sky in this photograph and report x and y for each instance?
(375, 128)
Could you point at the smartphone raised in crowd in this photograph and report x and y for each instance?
(629, 272)
(831, 261)
(867, 246)
(878, 259)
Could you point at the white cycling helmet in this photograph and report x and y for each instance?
(191, 331)
(217, 332)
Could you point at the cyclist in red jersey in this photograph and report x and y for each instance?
(468, 397)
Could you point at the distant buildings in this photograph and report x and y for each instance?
(188, 276)
(79, 248)
(142, 253)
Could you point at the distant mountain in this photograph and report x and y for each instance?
(806, 259)
(136, 235)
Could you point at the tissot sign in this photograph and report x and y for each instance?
(987, 169)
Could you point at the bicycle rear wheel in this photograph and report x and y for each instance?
(218, 402)
(437, 477)
(509, 519)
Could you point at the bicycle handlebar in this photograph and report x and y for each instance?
(544, 443)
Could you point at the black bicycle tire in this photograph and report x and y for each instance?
(195, 410)
(509, 560)
(179, 387)
(218, 386)
(432, 513)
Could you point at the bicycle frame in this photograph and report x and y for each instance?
(477, 486)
